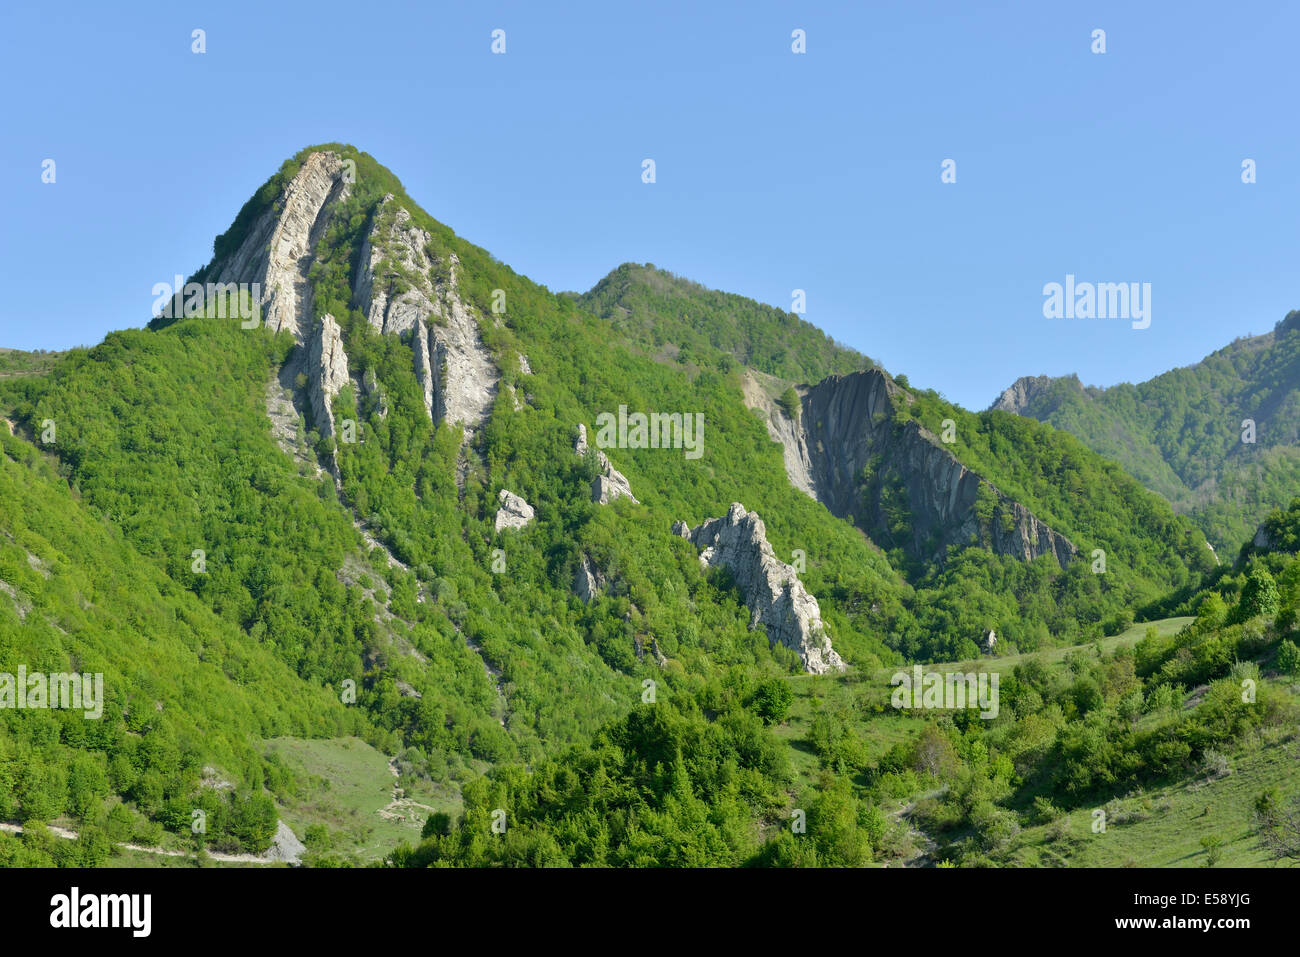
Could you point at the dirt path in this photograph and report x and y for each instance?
(402, 808)
(69, 835)
(923, 847)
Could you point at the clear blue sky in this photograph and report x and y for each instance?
(776, 171)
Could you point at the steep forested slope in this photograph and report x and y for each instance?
(182, 688)
(1064, 484)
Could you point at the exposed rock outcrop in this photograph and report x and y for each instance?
(401, 284)
(327, 366)
(609, 486)
(393, 281)
(285, 846)
(276, 255)
(781, 428)
(277, 252)
(1263, 540)
(770, 588)
(587, 581)
(610, 483)
(425, 374)
(514, 512)
(846, 451)
(21, 604)
(469, 377)
(660, 658)
(1027, 392)
(681, 529)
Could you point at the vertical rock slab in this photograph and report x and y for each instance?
(401, 284)
(393, 275)
(327, 366)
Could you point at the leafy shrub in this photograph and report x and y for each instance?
(772, 701)
(1288, 657)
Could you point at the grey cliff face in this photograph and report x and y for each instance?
(278, 251)
(402, 286)
(770, 588)
(846, 428)
(399, 285)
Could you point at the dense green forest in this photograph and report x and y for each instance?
(183, 687)
(1088, 498)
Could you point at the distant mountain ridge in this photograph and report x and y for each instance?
(1219, 439)
(655, 309)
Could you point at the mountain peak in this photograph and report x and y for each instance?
(1026, 392)
(333, 233)
(679, 319)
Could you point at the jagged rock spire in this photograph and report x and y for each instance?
(770, 588)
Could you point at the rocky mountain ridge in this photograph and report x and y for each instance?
(402, 284)
(1028, 391)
